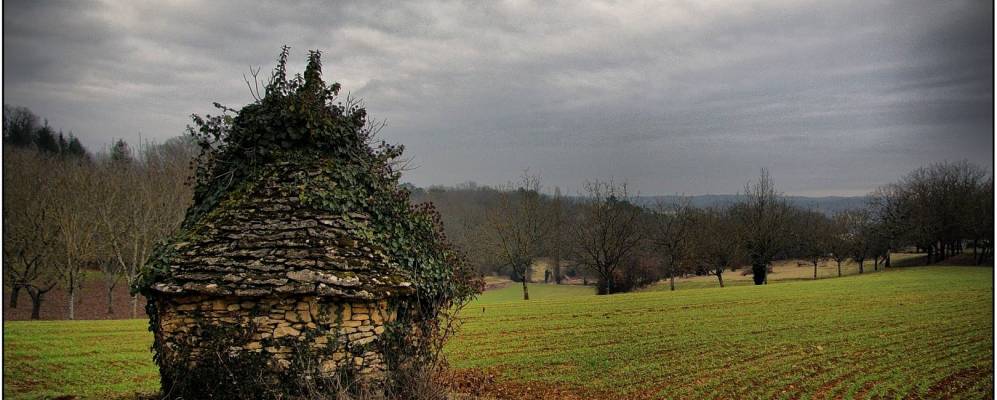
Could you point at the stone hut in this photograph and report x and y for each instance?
(300, 258)
(291, 276)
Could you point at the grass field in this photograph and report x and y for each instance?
(914, 332)
(782, 271)
(906, 333)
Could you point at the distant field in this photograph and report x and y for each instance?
(782, 271)
(539, 292)
(920, 332)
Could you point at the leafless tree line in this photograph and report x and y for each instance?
(74, 221)
(611, 237)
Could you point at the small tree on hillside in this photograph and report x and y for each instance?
(607, 231)
(840, 245)
(762, 221)
(670, 232)
(859, 236)
(715, 242)
(812, 233)
(557, 219)
(519, 227)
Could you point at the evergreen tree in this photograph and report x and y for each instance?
(45, 140)
(75, 148)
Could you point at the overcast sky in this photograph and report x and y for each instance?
(693, 97)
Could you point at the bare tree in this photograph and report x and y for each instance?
(859, 232)
(29, 231)
(812, 232)
(670, 232)
(557, 220)
(607, 231)
(762, 222)
(933, 207)
(143, 200)
(715, 243)
(839, 243)
(518, 227)
(75, 217)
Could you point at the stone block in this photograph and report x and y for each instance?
(284, 330)
(363, 341)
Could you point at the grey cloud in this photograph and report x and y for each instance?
(678, 97)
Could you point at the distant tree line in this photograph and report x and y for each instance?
(603, 234)
(72, 218)
(22, 129)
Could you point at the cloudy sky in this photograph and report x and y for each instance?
(693, 97)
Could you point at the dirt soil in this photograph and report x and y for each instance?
(486, 384)
(91, 304)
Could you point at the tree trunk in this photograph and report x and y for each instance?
(720, 276)
(862, 266)
(815, 270)
(72, 302)
(758, 273)
(886, 263)
(839, 268)
(110, 301)
(36, 303)
(14, 293)
(134, 306)
(875, 263)
(526, 293)
(671, 280)
(557, 268)
(605, 285)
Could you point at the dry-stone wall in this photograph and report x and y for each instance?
(341, 334)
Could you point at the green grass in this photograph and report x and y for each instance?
(892, 334)
(539, 292)
(90, 359)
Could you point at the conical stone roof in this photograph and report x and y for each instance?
(267, 237)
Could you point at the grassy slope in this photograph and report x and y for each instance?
(889, 333)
